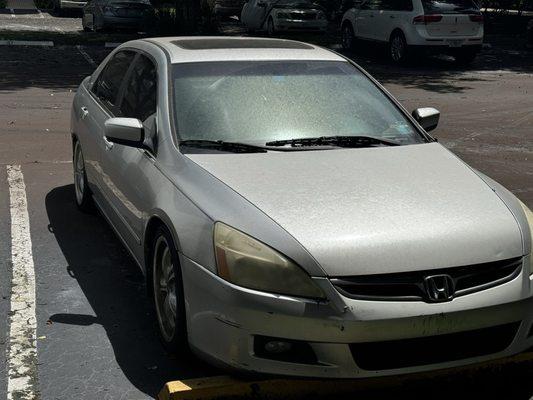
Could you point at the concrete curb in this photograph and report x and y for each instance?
(42, 43)
(227, 387)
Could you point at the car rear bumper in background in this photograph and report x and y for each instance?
(72, 4)
(418, 36)
(346, 338)
(128, 22)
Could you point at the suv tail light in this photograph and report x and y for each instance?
(426, 19)
(476, 18)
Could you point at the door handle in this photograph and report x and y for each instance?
(84, 112)
(108, 145)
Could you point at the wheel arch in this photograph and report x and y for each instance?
(400, 31)
(157, 219)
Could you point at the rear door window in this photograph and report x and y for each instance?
(450, 6)
(107, 85)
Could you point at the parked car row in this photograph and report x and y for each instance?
(99, 15)
(450, 26)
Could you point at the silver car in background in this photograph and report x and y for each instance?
(275, 16)
(292, 218)
(104, 15)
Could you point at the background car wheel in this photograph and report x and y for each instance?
(348, 37)
(464, 56)
(398, 49)
(167, 289)
(84, 199)
(271, 30)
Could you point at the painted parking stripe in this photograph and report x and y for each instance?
(12, 12)
(85, 55)
(42, 43)
(22, 350)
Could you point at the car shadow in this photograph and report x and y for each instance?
(115, 289)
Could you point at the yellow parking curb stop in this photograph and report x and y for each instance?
(216, 387)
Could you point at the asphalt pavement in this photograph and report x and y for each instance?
(95, 333)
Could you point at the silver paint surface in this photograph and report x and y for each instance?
(376, 210)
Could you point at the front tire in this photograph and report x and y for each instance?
(348, 37)
(398, 49)
(167, 291)
(83, 195)
(271, 29)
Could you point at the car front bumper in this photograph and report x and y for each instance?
(300, 25)
(224, 320)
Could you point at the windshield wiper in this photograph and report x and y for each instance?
(235, 147)
(339, 141)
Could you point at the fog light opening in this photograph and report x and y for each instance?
(286, 350)
(277, 347)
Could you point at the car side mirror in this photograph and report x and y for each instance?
(427, 117)
(125, 131)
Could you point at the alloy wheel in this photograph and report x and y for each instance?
(397, 48)
(164, 281)
(79, 174)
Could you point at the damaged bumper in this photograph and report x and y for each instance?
(345, 338)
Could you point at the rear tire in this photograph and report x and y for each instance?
(84, 199)
(167, 292)
(398, 48)
(348, 37)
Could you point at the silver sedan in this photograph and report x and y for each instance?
(292, 218)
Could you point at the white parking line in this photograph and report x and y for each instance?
(86, 56)
(22, 350)
(44, 43)
(12, 12)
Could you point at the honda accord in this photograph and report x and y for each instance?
(292, 218)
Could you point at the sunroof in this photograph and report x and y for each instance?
(229, 43)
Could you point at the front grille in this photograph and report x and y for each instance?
(433, 349)
(303, 16)
(409, 286)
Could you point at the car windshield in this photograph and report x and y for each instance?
(257, 102)
(449, 6)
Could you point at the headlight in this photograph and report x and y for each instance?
(246, 262)
(321, 15)
(529, 217)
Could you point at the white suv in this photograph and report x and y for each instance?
(451, 26)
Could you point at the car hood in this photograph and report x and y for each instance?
(375, 210)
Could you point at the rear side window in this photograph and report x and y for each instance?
(107, 86)
(449, 6)
(140, 94)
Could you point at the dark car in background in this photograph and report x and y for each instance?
(103, 15)
(226, 8)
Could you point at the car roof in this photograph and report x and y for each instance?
(185, 49)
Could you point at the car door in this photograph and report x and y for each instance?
(105, 94)
(254, 13)
(366, 19)
(125, 168)
(392, 14)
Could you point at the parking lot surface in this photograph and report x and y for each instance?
(95, 336)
